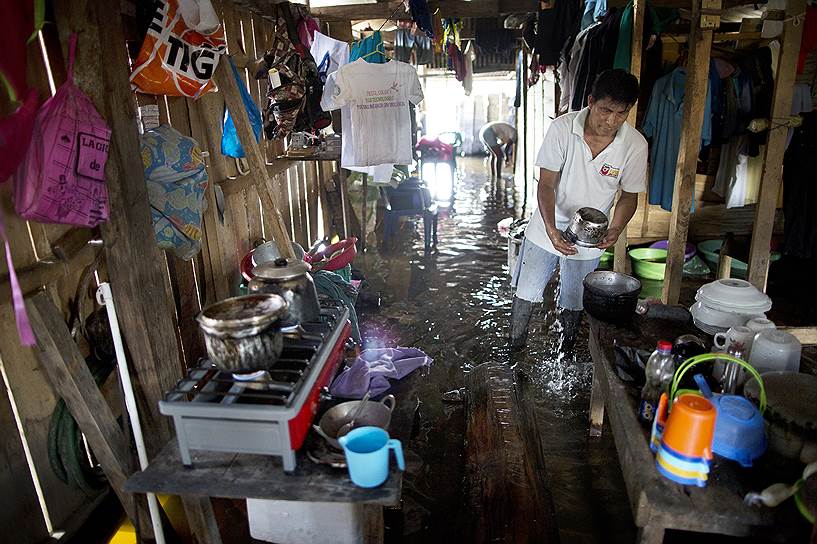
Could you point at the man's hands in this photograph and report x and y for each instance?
(559, 243)
(610, 237)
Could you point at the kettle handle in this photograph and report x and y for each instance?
(389, 402)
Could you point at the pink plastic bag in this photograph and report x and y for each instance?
(62, 178)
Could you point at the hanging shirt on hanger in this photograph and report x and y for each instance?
(662, 124)
(469, 56)
(378, 96)
(329, 53)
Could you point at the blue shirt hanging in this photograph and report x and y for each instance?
(662, 124)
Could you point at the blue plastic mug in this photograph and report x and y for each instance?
(367, 455)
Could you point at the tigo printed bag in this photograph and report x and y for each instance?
(181, 49)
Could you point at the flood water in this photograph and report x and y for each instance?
(455, 304)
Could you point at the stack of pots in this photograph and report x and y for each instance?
(727, 303)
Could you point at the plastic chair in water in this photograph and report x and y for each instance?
(410, 199)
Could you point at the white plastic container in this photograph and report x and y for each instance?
(296, 522)
(774, 349)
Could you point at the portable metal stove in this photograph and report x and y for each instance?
(265, 413)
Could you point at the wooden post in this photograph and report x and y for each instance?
(700, 45)
(69, 375)
(139, 278)
(620, 258)
(772, 175)
(258, 167)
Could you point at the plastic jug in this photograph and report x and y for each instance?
(367, 455)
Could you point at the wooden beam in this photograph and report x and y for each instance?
(772, 175)
(71, 379)
(620, 258)
(700, 46)
(139, 278)
(448, 8)
(258, 165)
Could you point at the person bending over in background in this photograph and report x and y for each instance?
(585, 159)
(494, 136)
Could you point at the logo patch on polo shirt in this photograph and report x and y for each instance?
(609, 170)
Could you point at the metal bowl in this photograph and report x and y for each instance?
(374, 414)
(587, 227)
(610, 296)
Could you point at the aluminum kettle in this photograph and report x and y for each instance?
(291, 280)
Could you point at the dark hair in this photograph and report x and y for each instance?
(617, 85)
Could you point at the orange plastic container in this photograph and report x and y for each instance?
(690, 428)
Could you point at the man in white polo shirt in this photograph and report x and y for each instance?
(585, 159)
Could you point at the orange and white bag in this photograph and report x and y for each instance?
(181, 49)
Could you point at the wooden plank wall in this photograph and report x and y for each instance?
(26, 397)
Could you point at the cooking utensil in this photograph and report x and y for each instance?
(343, 431)
(241, 333)
(713, 320)
(734, 296)
(291, 280)
(375, 414)
(265, 253)
(587, 227)
(774, 349)
(610, 296)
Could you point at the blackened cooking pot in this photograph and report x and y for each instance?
(243, 334)
(611, 296)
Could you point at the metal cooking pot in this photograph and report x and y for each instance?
(587, 227)
(291, 280)
(374, 414)
(610, 296)
(242, 333)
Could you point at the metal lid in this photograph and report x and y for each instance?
(248, 311)
(280, 269)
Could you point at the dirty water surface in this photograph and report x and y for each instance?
(454, 303)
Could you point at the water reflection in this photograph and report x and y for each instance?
(455, 304)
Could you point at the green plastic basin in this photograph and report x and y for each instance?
(648, 263)
(710, 249)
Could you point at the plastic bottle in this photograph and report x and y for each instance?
(659, 371)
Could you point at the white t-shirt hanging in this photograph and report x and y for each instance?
(378, 96)
(336, 50)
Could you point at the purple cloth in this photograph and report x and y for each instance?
(373, 368)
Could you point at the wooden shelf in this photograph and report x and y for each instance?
(318, 157)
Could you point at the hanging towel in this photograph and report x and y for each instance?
(335, 287)
(373, 369)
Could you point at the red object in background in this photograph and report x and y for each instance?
(18, 24)
(434, 149)
(809, 40)
(15, 135)
(324, 260)
(299, 425)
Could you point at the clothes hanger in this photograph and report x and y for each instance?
(377, 50)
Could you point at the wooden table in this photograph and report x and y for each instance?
(245, 476)
(657, 503)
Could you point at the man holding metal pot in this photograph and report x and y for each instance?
(585, 159)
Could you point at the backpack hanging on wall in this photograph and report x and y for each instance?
(176, 179)
(62, 177)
